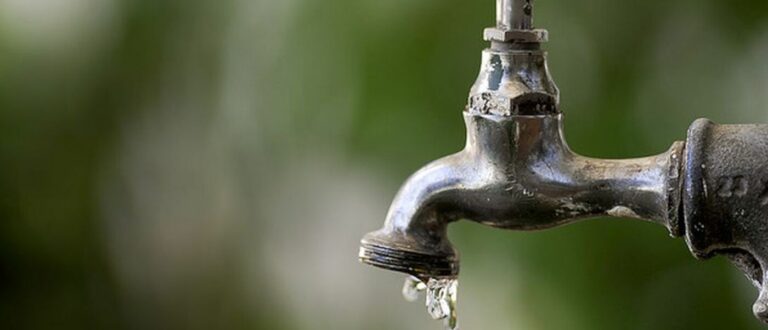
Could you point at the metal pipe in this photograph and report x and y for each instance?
(514, 14)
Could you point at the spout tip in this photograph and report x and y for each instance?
(397, 255)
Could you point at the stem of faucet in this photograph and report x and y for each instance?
(514, 26)
(514, 14)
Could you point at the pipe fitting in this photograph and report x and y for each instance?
(725, 199)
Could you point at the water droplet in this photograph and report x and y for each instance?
(412, 288)
(441, 298)
(441, 301)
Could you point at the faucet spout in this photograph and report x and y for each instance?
(414, 237)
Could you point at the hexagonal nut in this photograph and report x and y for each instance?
(496, 34)
(488, 103)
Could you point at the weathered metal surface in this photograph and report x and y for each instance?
(514, 23)
(517, 172)
(725, 199)
(514, 14)
(513, 82)
(496, 34)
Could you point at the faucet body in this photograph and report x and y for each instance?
(517, 172)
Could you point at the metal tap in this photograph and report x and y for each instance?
(517, 172)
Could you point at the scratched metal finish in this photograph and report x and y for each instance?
(726, 198)
(513, 82)
(514, 23)
(516, 173)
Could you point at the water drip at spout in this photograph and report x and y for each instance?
(441, 298)
(412, 288)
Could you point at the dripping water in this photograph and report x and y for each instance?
(441, 298)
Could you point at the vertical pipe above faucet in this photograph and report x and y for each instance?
(514, 24)
(514, 14)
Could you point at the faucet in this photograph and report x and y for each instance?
(517, 172)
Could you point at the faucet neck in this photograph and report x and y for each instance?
(513, 82)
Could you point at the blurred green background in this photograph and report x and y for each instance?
(212, 164)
